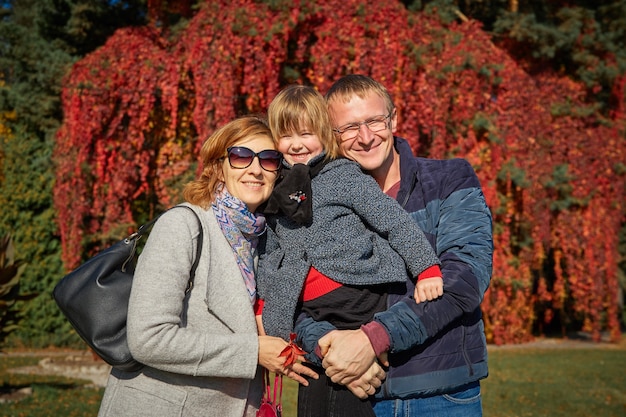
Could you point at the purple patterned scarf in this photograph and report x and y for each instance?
(242, 230)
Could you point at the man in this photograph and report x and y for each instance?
(436, 349)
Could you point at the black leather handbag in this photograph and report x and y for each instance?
(94, 297)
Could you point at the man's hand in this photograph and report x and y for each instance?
(368, 383)
(347, 354)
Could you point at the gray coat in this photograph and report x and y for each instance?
(201, 349)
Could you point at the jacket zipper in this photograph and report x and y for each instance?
(465, 355)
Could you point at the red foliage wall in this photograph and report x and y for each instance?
(552, 170)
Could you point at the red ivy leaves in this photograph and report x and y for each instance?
(137, 110)
(107, 143)
(291, 352)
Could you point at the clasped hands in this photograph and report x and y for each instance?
(350, 360)
(348, 356)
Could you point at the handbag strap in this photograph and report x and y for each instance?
(146, 226)
(278, 382)
(278, 389)
(192, 274)
(266, 380)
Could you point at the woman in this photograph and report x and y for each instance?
(201, 348)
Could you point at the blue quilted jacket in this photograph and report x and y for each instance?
(440, 345)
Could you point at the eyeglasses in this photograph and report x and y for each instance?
(351, 131)
(240, 157)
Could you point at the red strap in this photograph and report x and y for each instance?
(278, 383)
(266, 378)
(278, 389)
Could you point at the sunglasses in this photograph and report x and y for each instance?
(240, 157)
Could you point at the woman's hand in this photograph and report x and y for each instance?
(270, 349)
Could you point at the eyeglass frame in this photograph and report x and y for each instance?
(255, 155)
(358, 125)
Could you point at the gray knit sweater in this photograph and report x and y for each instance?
(358, 236)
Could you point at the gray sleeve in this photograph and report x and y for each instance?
(386, 217)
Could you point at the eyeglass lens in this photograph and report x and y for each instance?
(375, 124)
(240, 157)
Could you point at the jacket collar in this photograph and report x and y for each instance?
(409, 170)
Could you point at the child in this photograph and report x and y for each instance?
(334, 242)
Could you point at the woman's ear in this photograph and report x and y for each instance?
(220, 170)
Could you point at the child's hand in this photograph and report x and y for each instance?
(428, 289)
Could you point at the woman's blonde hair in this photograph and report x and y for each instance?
(299, 106)
(201, 191)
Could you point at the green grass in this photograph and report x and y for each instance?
(523, 382)
(51, 395)
(555, 382)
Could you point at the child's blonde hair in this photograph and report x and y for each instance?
(297, 107)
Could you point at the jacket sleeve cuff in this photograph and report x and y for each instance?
(316, 357)
(430, 272)
(258, 306)
(377, 335)
(403, 325)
